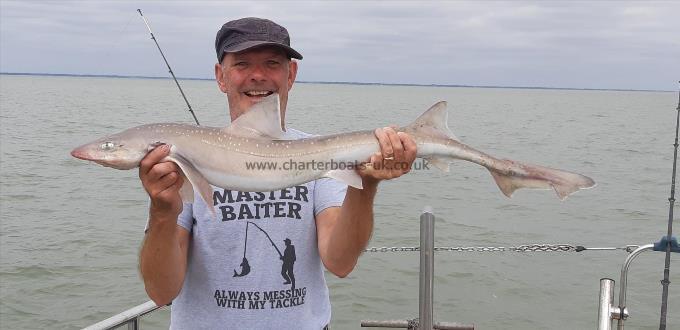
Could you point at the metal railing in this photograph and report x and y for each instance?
(607, 312)
(129, 317)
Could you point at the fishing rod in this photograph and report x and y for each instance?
(270, 239)
(169, 68)
(245, 244)
(666, 270)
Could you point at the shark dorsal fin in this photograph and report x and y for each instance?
(433, 122)
(262, 120)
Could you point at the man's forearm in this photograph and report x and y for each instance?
(352, 229)
(163, 261)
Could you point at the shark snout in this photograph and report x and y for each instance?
(80, 154)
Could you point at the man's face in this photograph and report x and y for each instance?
(249, 76)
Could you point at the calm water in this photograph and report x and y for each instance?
(71, 230)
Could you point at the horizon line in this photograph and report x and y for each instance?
(338, 82)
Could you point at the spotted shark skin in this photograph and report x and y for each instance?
(220, 156)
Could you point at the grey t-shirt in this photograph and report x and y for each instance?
(257, 265)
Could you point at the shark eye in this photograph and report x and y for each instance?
(108, 146)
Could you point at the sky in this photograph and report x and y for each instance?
(574, 44)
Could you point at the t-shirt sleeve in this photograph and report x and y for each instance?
(184, 219)
(328, 193)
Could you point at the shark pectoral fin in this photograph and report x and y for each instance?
(198, 182)
(442, 163)
(187, 191)
(538, 177)
(348, 177)
(262, 120)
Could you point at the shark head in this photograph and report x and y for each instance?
(121, 151)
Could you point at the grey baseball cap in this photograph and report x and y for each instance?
(249, 32)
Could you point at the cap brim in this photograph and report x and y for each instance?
(253, 44)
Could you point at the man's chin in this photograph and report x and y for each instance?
(255, 99)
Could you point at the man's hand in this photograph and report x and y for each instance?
(162, 181)
(397, 153)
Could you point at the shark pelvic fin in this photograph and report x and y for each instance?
(262, 120)
(433, 122)
(442, 163)
(348, 177)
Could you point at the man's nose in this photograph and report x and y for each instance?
(258, 73)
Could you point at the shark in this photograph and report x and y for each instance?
(224, 156)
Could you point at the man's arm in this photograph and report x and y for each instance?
(163, 257)
(163, 261)
(343, 232)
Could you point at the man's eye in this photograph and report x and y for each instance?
(241, 64)
(273, 63)
(108, 146)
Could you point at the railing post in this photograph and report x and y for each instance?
(133, 324)
(425, 320)
(425, 315)
(604, 317)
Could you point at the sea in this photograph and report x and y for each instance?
(71, 230)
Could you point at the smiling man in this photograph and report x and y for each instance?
(190, 258)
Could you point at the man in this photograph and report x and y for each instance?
(187, 256)
(288, 259)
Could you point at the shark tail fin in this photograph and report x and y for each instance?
(509, 175)
(518, 175)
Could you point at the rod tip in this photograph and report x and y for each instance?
(427, 209)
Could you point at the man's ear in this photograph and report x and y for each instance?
(292, 73)
(219, 77)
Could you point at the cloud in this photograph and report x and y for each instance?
(568, 44)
